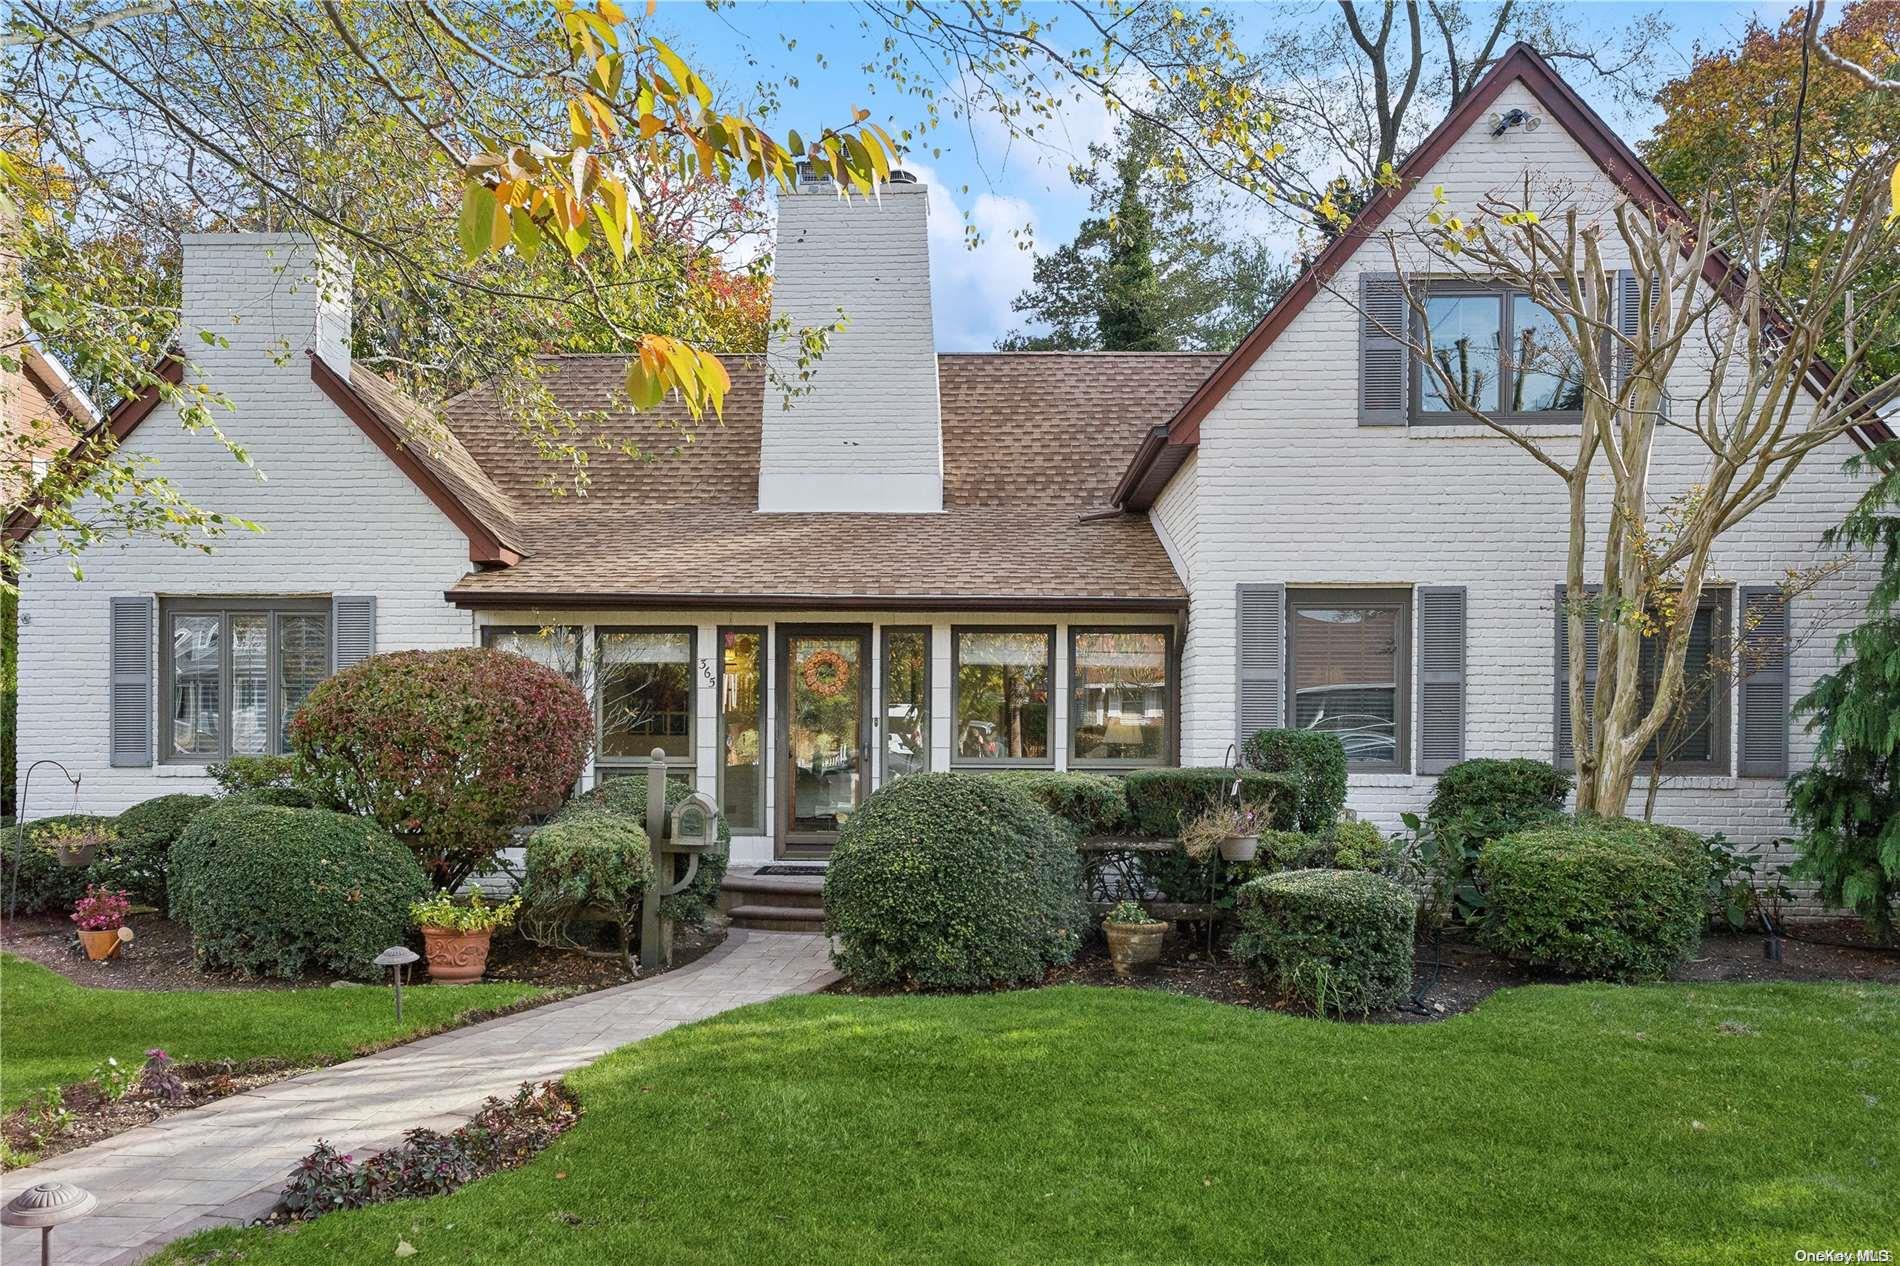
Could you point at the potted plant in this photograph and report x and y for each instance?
(100, 915)
(77, 843)
(456, 934)
(1233, 830)
(1134, 939)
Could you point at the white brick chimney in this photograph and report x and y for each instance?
(866, 438)
(270, 296)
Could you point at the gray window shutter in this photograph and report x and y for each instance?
(352, 630)
(1441, 677)
(1765, 684)
(1260, 649)
(130, 693)
(1629, 312)
(1566, 757)
(1382, 377)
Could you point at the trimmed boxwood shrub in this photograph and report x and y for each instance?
(280, 797)
(1360, 845)
(1317, 761)
(31, 879)
(249, 773)
(141, 859)
(587, 862)
(944, 881)
(449, 750)
(1337, 941)
(628, 796)
(1089, 804)
(1606, 898)
(280, 892)
(1160, 800)
(1477, 801)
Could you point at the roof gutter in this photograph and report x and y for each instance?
(477, 599)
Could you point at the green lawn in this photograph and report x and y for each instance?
(54, 1031)
(1692, 1124)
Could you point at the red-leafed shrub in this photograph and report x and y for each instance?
(448, 750)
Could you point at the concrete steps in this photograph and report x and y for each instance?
(773, 903)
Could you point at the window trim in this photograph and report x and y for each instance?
(765, 723)
(882, 724)
(580, 642)
(606, 766)
(1400, 598)
(1170, 687)
(956, 698)
(224, 608)
(1507, 298)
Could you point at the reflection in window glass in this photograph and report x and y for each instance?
(906, 702)
(557, 647)
(1464, 336)
(303, 655)
(741, 729)
(1119, 696)
(1549, 380)
(250, 683)
(196, 707)
(1346, 677)
(1002, 695)
(646, 693)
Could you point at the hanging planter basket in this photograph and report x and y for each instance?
(1239, 848)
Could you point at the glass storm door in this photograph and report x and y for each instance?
(824, 725)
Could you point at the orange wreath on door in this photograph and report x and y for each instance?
(826, 674)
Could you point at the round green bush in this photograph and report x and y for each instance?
(268, 891)
(1317, 761)
(586, 858)
(1088, 804)
(1603, 898)
(1359, 845)
(141, 859)
(944, 881)
(1477, 801)
(281, 797)
(628, 796)
(31, 879)
(250, 773)
(449, 750)
(1337, 941)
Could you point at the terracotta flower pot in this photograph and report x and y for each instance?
(100, 945)
(1239, 848)
(1132, 945)
(456, 958)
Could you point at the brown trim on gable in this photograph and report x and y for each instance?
(483, 545)
(475, 599)
(119, 423)
(1139, 486)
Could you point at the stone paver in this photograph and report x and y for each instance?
(223, 1163)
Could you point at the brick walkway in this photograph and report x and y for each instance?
(224, 1162)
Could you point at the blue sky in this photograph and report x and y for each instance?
(1003, 188)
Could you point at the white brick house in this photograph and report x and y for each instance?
(932, 561)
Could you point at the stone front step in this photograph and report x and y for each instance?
(773, 903)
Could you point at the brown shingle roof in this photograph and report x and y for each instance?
(1032, 443)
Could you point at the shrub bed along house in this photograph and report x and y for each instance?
(1162, 801)
(269, 891)
(1338, 941)
(449, 750)
(1316, 759)
(1605, 898)
(946, 881)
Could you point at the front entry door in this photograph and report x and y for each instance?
(824, 722)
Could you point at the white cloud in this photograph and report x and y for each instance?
(971, 289)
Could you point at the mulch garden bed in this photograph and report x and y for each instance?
(160, 957)
(1456, 975)
(1465, 975)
